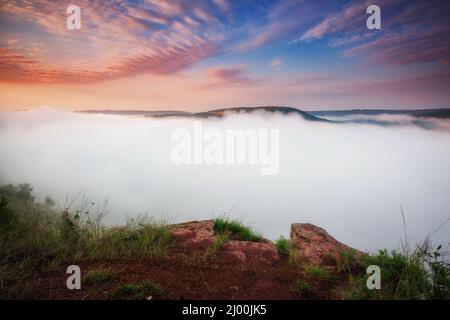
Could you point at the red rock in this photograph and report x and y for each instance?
(244, 251)
(315, 246)
(194, 234)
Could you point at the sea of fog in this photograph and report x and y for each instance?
(350, 179)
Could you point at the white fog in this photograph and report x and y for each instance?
(349, 179)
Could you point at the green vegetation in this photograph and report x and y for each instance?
(235, 229)
(283, 245)
(347, 261)
(139, 238)
(141, 291)
(98, 277)
(35, 238)
(317, 272)
(422, 274)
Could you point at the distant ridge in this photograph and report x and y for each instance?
(441, 113)
(319, 116)
(212, 113)
(222, 112)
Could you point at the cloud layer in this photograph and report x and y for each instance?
(350, 179)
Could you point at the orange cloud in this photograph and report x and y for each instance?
(117, 39)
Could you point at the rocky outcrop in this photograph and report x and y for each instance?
(244, 251)
(311, 244)
(194, 234)
(314, 245)
(198, 235)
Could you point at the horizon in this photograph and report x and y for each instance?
(144, 109)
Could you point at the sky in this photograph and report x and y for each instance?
(199, 55)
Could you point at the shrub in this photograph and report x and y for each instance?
(424, 274)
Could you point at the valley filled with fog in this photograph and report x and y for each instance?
(350, 179)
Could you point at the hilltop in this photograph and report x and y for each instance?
(218, 113)
(442, 113)
(211, 259)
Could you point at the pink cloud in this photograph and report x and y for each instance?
(228, 76)
(117, 39)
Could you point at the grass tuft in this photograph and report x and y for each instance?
(283, 245)
(236, 230)
(98, 277)
(317, 272)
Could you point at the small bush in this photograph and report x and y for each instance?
(236, 230)
(283, 245)
(22, 191)
(139, 291)
(402, 276)
(420, 275)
